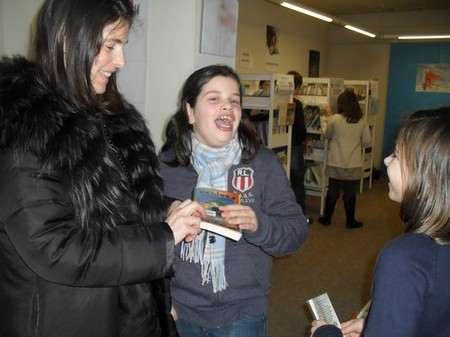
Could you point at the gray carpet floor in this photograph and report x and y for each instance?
(335, 260)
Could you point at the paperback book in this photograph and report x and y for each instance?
(322, 309)
(211, 199)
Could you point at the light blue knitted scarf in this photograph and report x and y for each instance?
(208, 249)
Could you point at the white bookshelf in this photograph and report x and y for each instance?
(315, 94)
(277, 135)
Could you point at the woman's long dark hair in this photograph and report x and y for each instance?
(348, 106)
(178, 131)
(69, 35)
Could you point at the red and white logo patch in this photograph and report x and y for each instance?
(243, 179)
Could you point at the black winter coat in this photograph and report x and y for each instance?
(83, 245)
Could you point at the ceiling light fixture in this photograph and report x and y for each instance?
(360, 31)
(421, 37)
(306, 11)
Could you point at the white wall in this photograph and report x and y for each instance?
(355, 57)
(17, 16)
(172, 34)
(171, 47)
(131, 79)
(173, 54)
(296, 36)
(163, 51)
(364, 61)
(358, 58)
(394, 23)
(2, 28)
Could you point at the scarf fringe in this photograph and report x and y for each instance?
(193, 251)
(197, 252)
(216, 274)
(208, 249)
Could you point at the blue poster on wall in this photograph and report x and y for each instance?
(403, 96)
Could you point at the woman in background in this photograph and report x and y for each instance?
(85, 239)
(221, 286)
(347, 131)
(411, 288)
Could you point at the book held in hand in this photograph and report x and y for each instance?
(322, 309)
(211, 199)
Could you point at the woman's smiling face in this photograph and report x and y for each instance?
(111, 56)
(217, 112)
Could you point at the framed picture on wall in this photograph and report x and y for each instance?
(314, 63)
(433, 78)
(219, 27)
(272, 49)
(272, 40)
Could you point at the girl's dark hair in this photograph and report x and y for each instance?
(424, 153)
(178, 131)
(348, 106)
(69, 35)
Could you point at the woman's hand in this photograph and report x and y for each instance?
(240, 216)
(353, 328)
(174, 314)
(316, 324)
(184, 219)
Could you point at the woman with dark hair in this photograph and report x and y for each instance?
(411, 288)
(347, 132)
(86, 237)
(220, 287)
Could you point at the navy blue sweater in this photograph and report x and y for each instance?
(282, 229)
(411, 290)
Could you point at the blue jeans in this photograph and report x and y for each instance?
(246, 326)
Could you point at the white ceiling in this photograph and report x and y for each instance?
(344, 7)
(385, 18)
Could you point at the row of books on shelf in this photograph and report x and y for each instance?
(261, 131)
(314, 173)
(284, 115)
(312, 117)
(314, 89)
(257, 92)
(281, 153)
(314, 146)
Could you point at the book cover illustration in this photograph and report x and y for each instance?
(211, 199)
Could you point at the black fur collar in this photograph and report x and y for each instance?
(32, 119)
